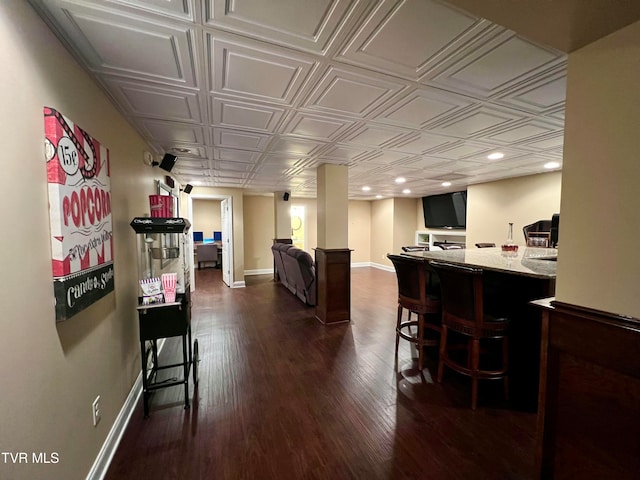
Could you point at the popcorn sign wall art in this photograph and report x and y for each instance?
(80, 215)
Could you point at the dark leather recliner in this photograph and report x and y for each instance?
(278, 249)
(296, 270)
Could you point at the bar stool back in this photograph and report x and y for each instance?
(415, 296)
(463, 312)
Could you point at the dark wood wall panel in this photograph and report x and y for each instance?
(589, 421)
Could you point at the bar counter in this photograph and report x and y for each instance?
(527, 261)
(511, 282)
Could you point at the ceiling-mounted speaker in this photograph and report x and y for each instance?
(169, 181)
(168, 161)
(285, 197)
(187, 188)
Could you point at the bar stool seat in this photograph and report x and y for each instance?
(416, 294)
(463, 312)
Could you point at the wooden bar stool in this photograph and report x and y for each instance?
(416, 296)
(463, 312)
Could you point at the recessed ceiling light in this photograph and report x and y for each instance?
(401, 180)
(366, 189)
(181, 150)
(406, 190)
(378, 196)
(495, 156)
(446, 184)
(550, 165)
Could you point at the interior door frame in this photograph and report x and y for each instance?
(227, 241)
(225, 234)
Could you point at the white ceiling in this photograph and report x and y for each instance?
(256, 94)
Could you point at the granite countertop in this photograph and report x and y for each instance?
(527, 261)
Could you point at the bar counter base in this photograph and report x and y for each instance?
(333, 280)
(588, 414)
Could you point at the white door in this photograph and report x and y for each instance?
(227, 241)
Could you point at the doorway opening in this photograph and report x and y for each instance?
(212, 216)
(297, 226)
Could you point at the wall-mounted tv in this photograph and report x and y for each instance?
(447, 210)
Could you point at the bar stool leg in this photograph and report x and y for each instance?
(475, 366)
(443, 352)
(398, 322)
(420, 338)
(505, 365)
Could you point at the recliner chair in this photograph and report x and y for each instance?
(206, 252)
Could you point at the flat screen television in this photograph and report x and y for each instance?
(447, 210)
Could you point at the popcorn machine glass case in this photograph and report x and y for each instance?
(162, 245)
(164, 300)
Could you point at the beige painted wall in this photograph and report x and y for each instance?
(206, 216)
(371, 238)
(523, 200)
(259, 233)
(381, 233)
(282, 218)
(259, 222)
(598, 264)
(360, 230)
(404, 213)
(52, 372)
(392, 226)
(311, 221)
(259, 211)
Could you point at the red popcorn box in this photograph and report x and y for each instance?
(161, 206)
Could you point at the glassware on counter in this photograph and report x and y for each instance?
(510, 248)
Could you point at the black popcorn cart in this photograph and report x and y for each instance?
(164, 301)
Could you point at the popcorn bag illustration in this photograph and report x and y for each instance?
(151, 291)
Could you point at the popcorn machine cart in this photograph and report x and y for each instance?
(164, 301)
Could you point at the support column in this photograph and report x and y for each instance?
(333, 257)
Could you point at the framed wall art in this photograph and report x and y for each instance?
(79, 187)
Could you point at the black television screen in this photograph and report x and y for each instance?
(448, 210)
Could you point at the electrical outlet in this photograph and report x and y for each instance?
(95, 410)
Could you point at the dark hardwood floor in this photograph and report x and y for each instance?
(282, 396)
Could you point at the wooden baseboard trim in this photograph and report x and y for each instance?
(110, 445)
